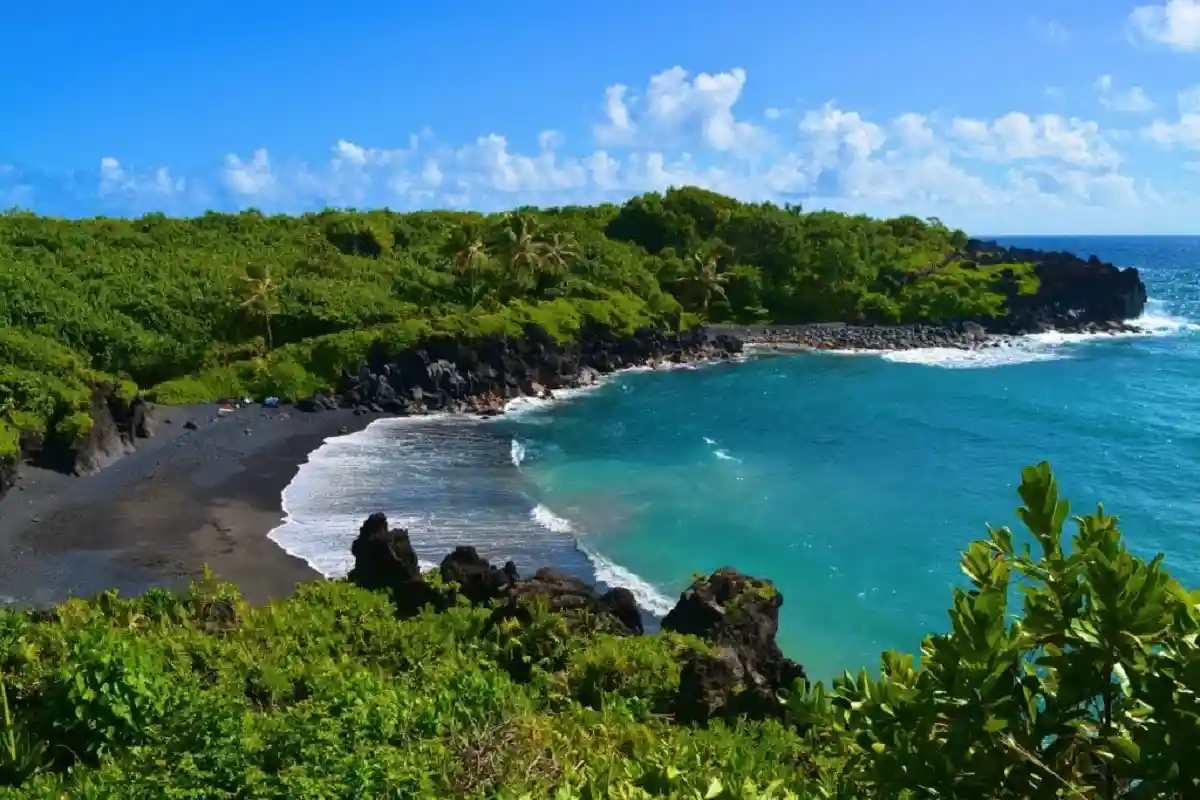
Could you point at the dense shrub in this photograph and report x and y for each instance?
(1090, 692)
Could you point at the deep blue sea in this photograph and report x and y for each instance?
(851, 480)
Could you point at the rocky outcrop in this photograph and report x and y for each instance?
(476, 579)
(116, 423)
(744, 675)
(480, 375)
(1074, 294)
(740, 615)
(105, 442)
(565, 594)
(384, 559)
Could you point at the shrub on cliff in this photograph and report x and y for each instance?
(1090, 693)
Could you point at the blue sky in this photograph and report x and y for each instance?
(1056, 116)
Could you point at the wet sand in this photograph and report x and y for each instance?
(184, 499)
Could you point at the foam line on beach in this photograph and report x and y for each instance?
(607, 571)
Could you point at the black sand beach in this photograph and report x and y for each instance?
(183, 500)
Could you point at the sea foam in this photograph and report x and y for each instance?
(607, 572)
(1050, 346)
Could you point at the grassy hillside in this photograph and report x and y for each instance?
(224, 305)
(1089, 692)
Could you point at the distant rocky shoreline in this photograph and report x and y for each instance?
(884, 338)
(482, 376)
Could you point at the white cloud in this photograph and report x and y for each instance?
(1049, 30)
(685, 130)
(1175, 24)
(1133, 100)
(489, 157)
(115, 179)
(913, 130)
(251, 178)
(678, 108)
(1017, 136)
(1184, 133)
(618, 128)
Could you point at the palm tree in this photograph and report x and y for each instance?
(524, 252)
(261, 300)
(559, 253)
(469, 258)
(705, 279)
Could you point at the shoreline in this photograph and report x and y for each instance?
(214, 495)
(182, 500)
(207, 488)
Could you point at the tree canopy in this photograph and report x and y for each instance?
(230, 304)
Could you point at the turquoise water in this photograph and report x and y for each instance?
(852, 481)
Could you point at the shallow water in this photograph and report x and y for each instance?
(851, 480)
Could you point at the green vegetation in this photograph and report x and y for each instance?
(1090, 693)
(225, 305)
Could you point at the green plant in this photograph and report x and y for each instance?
(21, 756)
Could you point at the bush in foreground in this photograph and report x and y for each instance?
(1090, 693)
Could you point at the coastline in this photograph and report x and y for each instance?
(213, 496)
(210, 496)
(183, 499)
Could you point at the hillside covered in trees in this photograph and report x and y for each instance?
(192, 310)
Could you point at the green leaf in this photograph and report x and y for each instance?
(1126, 747)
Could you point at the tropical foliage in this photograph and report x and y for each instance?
(1090, 692)
(232, 304)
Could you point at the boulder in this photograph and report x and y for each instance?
(740, 615)
(384, 559)
(621, 603)
(570, 596)
(477, 579)
(8, 473)
(142, 422)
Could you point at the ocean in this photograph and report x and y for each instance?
(852, 480)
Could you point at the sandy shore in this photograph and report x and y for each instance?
(183, 500)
